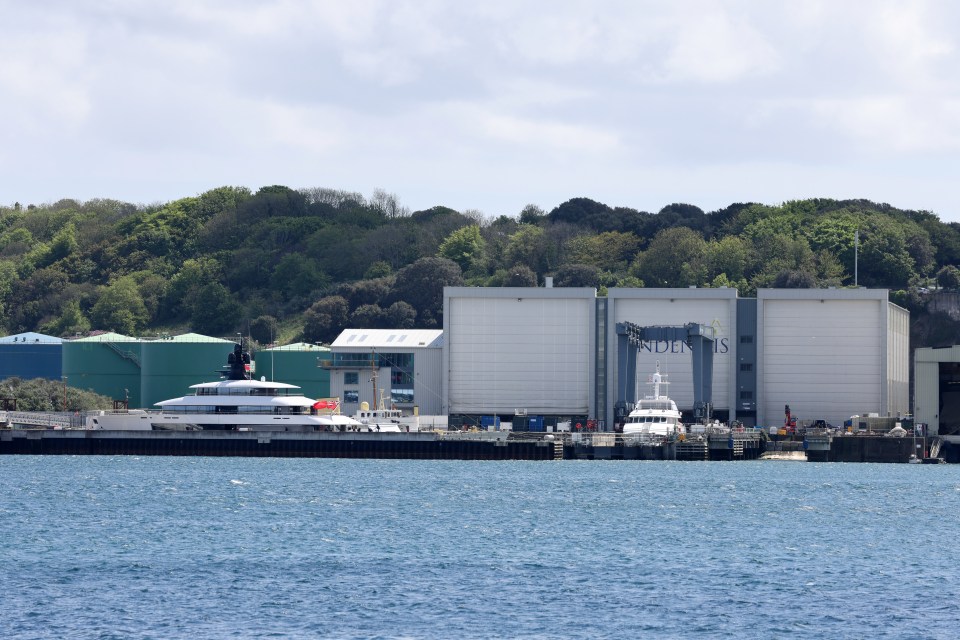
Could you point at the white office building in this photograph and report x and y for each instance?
(387, 368)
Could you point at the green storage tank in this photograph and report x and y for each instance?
(297, 364)
(108, 364)
(171, 364)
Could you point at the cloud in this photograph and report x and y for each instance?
(627, 100)
(895, 124)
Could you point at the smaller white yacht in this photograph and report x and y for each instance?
(654, 417)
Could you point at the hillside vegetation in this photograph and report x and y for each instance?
(283, 264)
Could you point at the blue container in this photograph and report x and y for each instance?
(490, 422)
(535, 423)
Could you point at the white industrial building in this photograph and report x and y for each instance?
(715, 309)
(387, 368)
(936, 395)
(828, 353)
(831, 353)
(524, 349)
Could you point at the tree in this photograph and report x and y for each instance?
(532, 214)
(674, 258)
(884, 257)
(63, 244)
(213, 310)
(120, 308)
(464, 246)
(519, 275)
(367, 316)
(421, 286)
(949, 277)
(610, 250)
(70, 322)
(577, 275)
(378, 269)
(528, 246)
(325, 319)
(366, 291)
(264, 329)
(387, 204)
(297, 275)
(728, 256)
(39, 394)
(193, 276)
(400, 315)
(792, 279)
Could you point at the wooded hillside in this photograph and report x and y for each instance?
(303, 264)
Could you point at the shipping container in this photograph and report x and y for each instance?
(490, 422)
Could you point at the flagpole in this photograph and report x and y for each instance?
(856, 252)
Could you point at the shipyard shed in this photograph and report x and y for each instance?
(31, 355)
(387, 367)
(169, 365)
(936, 394)
(714, 309)
(830, 354)
(524, 351)
(299, 364)
(106, 363)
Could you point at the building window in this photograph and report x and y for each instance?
(351, 377)
(746, 339)
(401, 396)
(351, 397)
(746, 395)
(746, 366)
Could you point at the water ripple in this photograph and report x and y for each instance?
(114, 547)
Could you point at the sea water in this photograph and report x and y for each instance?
(164, 547)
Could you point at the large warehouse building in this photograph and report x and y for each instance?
(937, 390)
(519, 351)
(827, 353)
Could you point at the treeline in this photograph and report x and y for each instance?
(304, 264)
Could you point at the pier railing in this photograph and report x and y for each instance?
(38, 419)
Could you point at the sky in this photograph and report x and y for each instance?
(484, 106)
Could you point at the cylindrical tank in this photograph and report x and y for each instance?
(108, 364)
(31, 355)
(172, 364)
(298, 364)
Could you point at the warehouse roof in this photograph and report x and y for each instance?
(389, 338)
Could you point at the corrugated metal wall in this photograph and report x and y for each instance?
(822, 356)
(428, 381)
(519, 348)
(898, 360)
